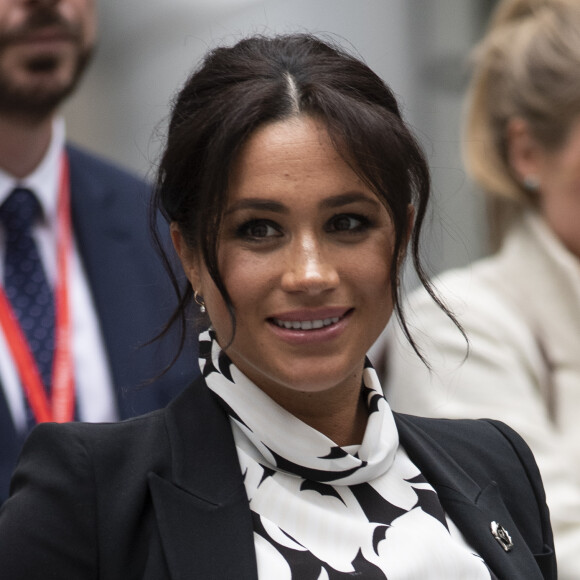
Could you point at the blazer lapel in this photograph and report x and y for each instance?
(202, 510)
(471, 507)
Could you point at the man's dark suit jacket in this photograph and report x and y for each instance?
(130, 290)
(161, 497)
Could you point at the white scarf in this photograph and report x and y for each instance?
(322, 511)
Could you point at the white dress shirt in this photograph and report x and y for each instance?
(94, 392)
(319, 506)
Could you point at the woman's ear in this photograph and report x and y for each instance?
(188, 258)
(524, 153)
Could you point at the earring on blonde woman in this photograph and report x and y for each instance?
(531, 183)
(199, 301)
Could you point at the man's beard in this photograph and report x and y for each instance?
(37, 100)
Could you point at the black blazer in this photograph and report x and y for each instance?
(130, 289)
(162, 497)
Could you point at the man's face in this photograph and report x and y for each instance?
(44, 47)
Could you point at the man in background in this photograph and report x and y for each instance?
(80, 289)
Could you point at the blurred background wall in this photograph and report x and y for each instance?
(420, 47)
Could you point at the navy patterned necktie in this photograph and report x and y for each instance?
(25, 281)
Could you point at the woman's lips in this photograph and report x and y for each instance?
(305, 326)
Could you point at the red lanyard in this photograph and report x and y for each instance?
(61, 406)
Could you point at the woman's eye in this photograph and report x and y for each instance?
(348, 223)
(258, 229)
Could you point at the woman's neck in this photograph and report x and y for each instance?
(342, 421)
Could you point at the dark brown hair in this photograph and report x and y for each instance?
(261, 80)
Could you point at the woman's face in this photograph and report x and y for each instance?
(558, 175)
(305, 252)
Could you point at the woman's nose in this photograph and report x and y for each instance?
(309, 268)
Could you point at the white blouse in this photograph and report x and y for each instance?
(321, 511)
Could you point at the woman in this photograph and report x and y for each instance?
(291, 184)
(520, 307)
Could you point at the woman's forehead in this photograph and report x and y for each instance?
(290, 159)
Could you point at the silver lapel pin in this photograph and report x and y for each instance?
(502, 536)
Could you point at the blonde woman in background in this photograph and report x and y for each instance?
(521, 307)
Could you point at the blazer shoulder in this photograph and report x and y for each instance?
(121, 443)
(459, 428)
(74, 482)
(487, 446)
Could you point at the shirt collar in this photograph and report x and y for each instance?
(44, 181)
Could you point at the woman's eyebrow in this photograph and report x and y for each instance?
(334, 201)
(257, 204)
(349, 197)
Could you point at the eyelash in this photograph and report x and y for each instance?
(244, 230)
(363, 223)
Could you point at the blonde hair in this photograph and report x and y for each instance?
(526, 66)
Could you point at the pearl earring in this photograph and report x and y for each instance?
(531, 183)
